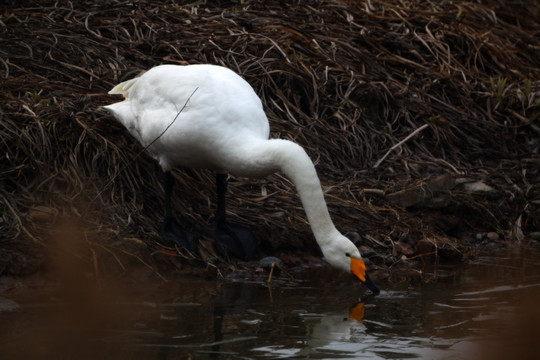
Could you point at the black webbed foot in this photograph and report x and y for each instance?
(172, 234)
(239, 240)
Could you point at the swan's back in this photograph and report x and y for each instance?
(223, 110)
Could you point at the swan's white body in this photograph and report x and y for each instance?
(222, 127)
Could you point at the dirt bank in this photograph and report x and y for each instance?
(423, 120)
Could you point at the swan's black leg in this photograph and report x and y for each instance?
(238, 239)
(172, 233)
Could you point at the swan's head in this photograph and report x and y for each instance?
(343, 254)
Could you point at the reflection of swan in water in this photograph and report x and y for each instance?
(320, 330)
(338, 326)
(339, 334)
(243, 317)
(343, 331)
(357, 311)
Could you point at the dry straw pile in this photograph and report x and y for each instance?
(386, 96)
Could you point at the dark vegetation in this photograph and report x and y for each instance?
(348, 80)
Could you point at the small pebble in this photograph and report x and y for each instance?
(267, 262)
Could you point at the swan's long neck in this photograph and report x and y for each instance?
(294, 162)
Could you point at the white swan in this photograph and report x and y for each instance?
(213, 119)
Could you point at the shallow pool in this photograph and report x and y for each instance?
(488, 309)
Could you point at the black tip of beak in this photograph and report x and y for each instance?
(371, 285)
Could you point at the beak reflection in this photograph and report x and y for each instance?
(357, 312)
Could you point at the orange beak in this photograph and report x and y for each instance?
(358, 268)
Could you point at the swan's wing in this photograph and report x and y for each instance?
(190, 112)
(123, 88)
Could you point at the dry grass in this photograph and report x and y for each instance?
(345, 79)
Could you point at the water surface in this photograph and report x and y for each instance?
(485, 310)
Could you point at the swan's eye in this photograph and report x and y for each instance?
(347, 254)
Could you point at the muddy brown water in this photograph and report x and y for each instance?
(488, 309)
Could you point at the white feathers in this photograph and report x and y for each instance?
(123, 88)
(222, 127)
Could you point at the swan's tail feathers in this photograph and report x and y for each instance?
(123, 88)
